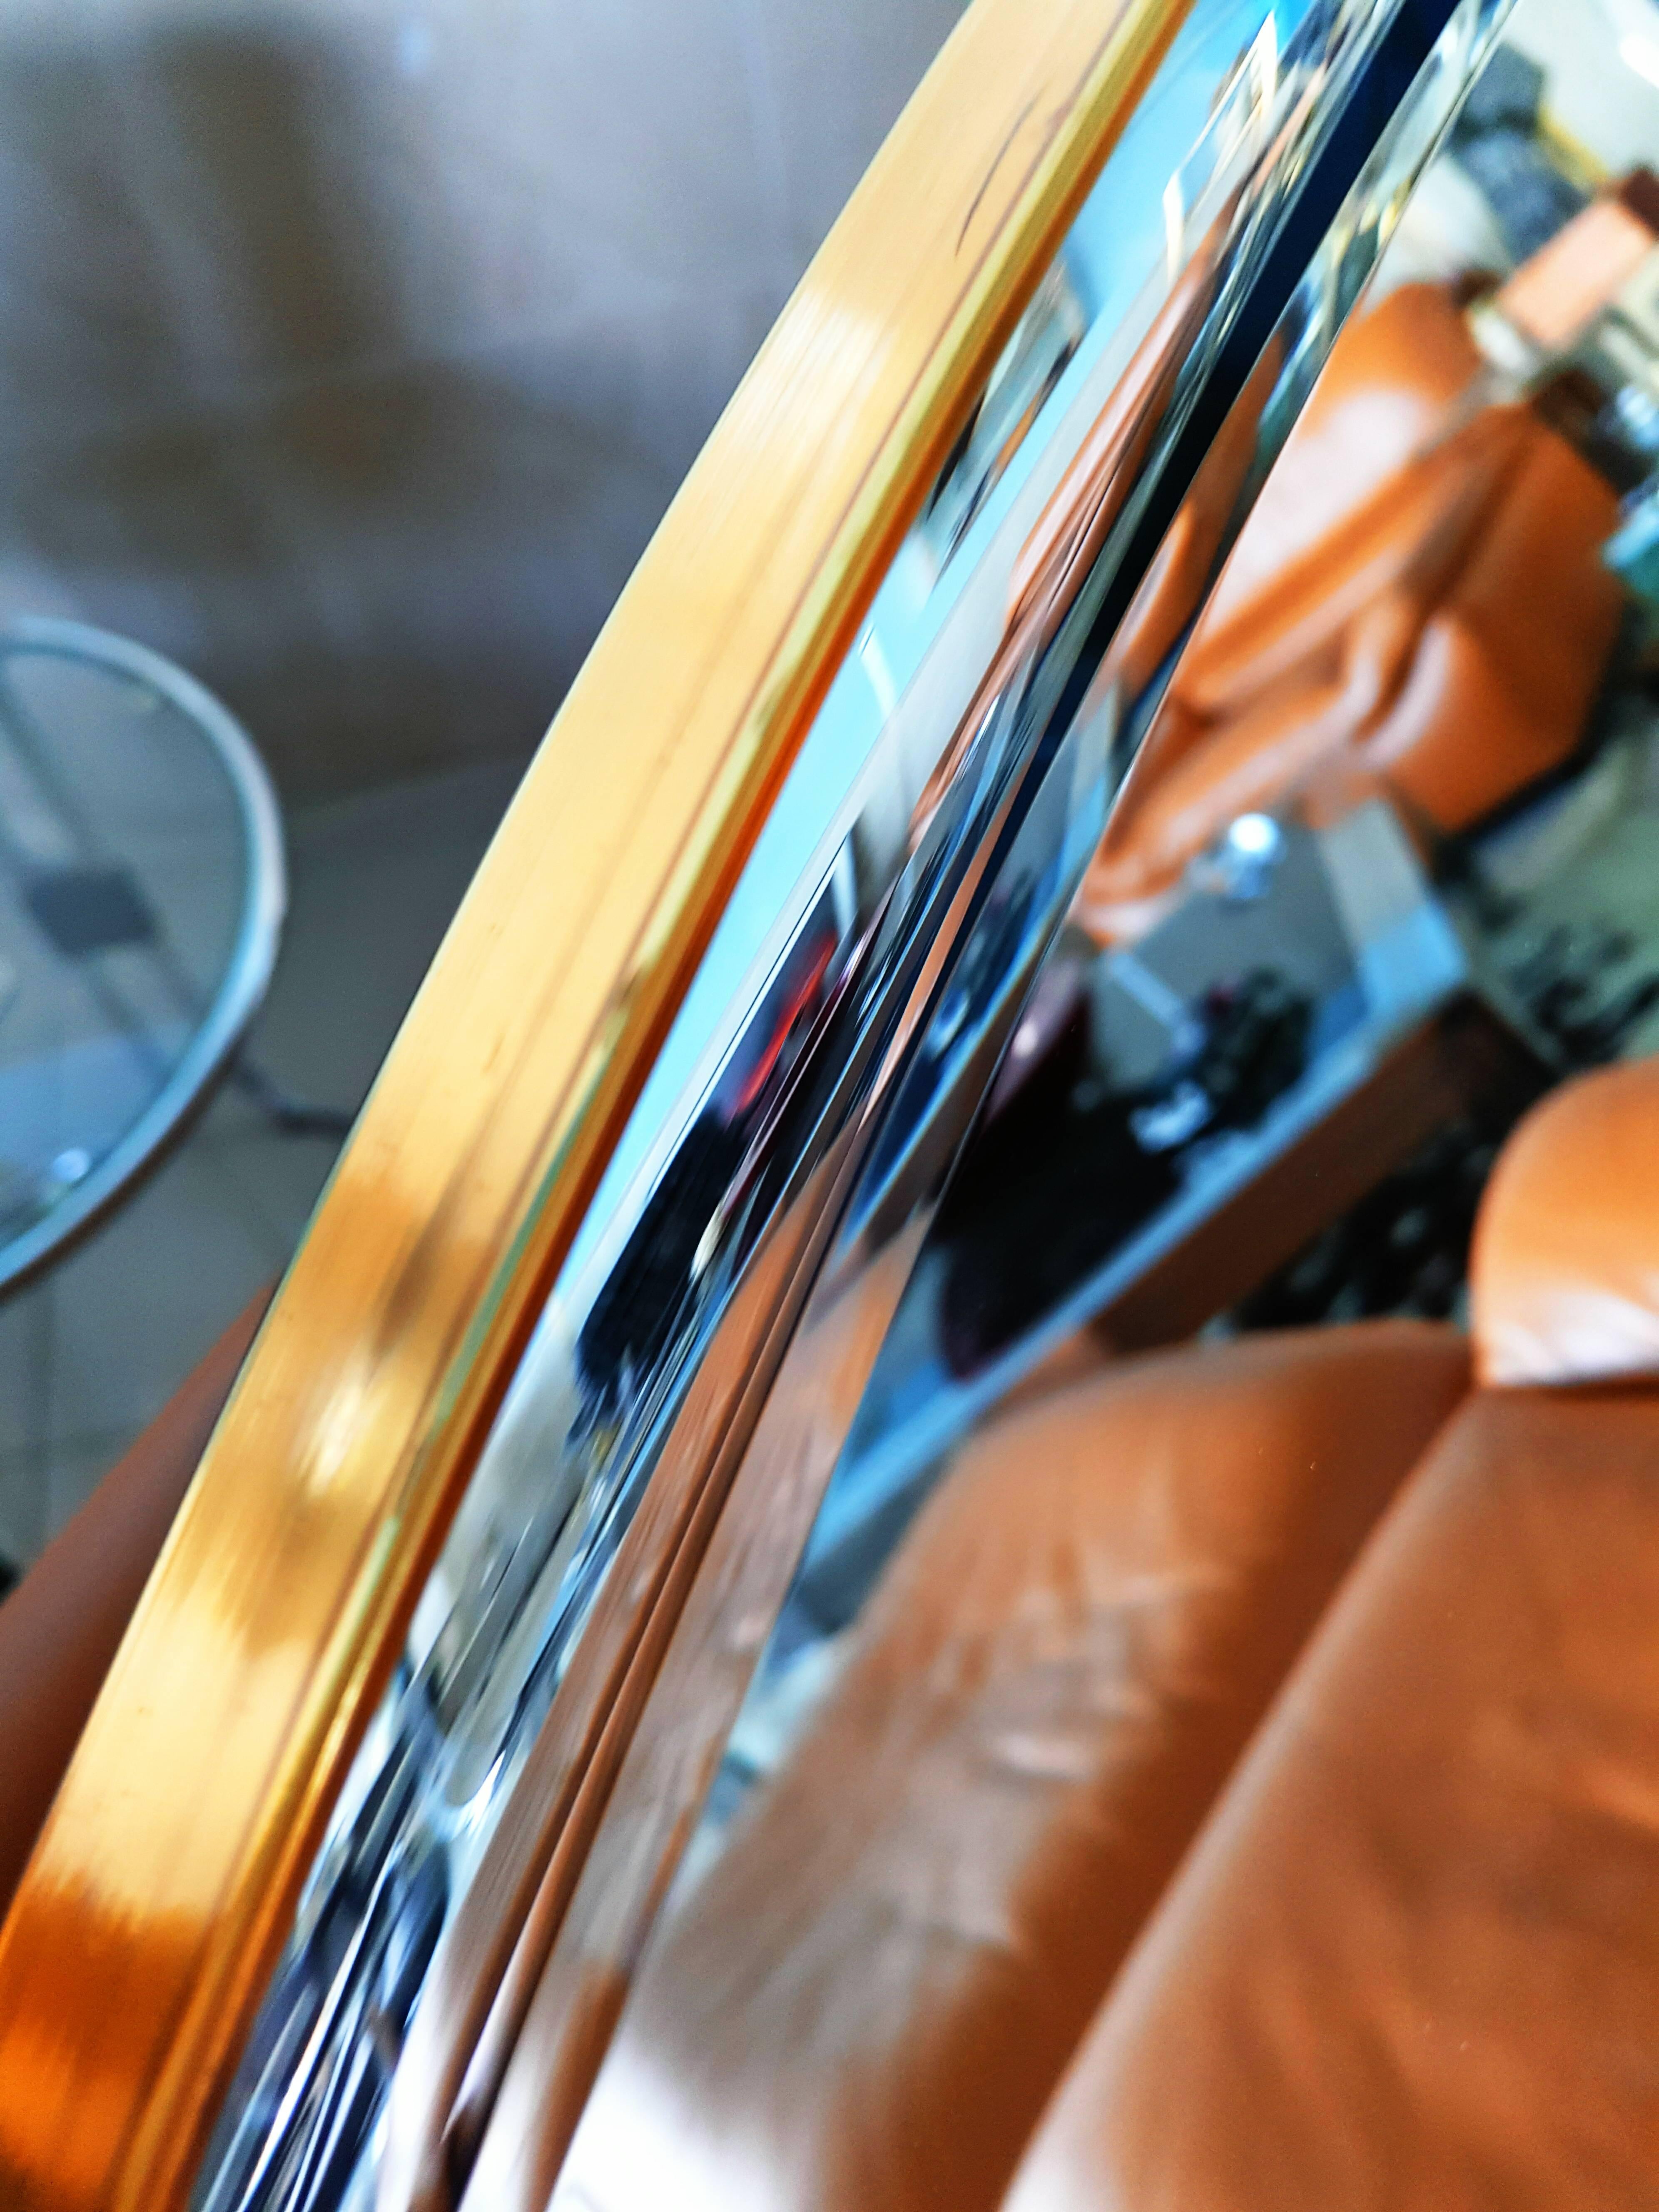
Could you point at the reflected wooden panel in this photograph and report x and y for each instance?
(145, 1928)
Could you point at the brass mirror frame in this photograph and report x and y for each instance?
(144, 1930)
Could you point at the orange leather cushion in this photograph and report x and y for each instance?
(1506, 672)
(61, 1626)
(1412, 1963)
(1565, 1272)
(1415, 603)
(1284, 743)
(874, 1990)
(1390, 384)
(1408, 540)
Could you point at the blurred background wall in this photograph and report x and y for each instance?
(351, 349)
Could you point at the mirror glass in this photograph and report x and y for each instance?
(1097, 905)
(1381, 718)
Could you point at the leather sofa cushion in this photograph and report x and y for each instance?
(1565, 1272)
(874, 1990)
(1414, 1960)
(1416, 605)
(60, 1628)
(1508, 668)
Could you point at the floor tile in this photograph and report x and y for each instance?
(140, 1303)
(25, 1364)
(93, 1353)
(25, 1490)
(76, 1469)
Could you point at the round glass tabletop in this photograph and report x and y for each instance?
(141, 892)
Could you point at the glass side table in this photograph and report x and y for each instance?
(141, 896)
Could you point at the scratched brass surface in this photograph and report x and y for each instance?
(144, 1930)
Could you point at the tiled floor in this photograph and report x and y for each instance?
(91, 1354)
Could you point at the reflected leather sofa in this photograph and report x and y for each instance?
(1062, 1663)
(1417, 603)
(1413, 1957)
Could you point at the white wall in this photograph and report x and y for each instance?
(1612, 110)
(351, 349)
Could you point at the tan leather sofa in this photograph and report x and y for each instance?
(1416, 605)
(1413, 1957)
(1414, 1960)
(873, 1993)
(1243, 1790)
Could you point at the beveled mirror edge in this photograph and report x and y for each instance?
(141, 1936)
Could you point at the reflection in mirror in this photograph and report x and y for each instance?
(639, 1512)
(795, 999)
(1190, 1312)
